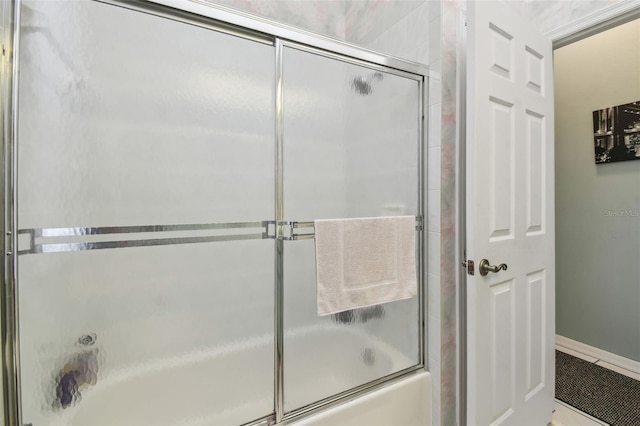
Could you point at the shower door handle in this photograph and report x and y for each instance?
(484, 267)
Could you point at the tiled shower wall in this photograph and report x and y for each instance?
(355, 21)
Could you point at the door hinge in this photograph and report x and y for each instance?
(470, 265)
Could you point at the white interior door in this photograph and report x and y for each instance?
(510, 219)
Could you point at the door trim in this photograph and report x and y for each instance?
(595, 22)
(461, 55)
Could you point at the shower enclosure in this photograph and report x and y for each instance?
(163, 171)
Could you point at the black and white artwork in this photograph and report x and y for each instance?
(616, 133)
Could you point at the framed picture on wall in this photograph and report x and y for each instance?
(616, 133)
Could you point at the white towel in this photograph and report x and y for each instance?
(364, 262)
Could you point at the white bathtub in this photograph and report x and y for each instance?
(201, 388)
(403, 403)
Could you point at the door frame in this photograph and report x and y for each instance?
(281, 236)
(586, 26)
(230, 21)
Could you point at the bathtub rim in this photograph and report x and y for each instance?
(347, 396)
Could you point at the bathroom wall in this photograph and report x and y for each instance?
(407, 38)
(366, 20)
(355, 21)
(597, 206)
(449, 269)
(323, 17)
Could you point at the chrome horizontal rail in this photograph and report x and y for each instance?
(290, 234)
(57, 240)
(293, 235)
(48, 240)
(66, 232)
(303, 224)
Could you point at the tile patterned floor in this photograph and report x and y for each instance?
(599, 362)
(566, 415)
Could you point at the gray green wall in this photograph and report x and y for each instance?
(598, 252)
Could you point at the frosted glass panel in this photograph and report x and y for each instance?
(125, 119)
(183, 335)
(350, 150)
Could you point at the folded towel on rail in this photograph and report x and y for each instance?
(364, 262)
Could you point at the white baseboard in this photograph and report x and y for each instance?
(611, 358)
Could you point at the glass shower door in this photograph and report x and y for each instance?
(351, 148)
(145, 183)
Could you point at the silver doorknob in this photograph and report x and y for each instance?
(484, 267)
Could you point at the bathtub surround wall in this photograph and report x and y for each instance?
(598, 206)
(451, 122)
(354, 21)
(407, 38)
(368, 19)
(322, 17)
